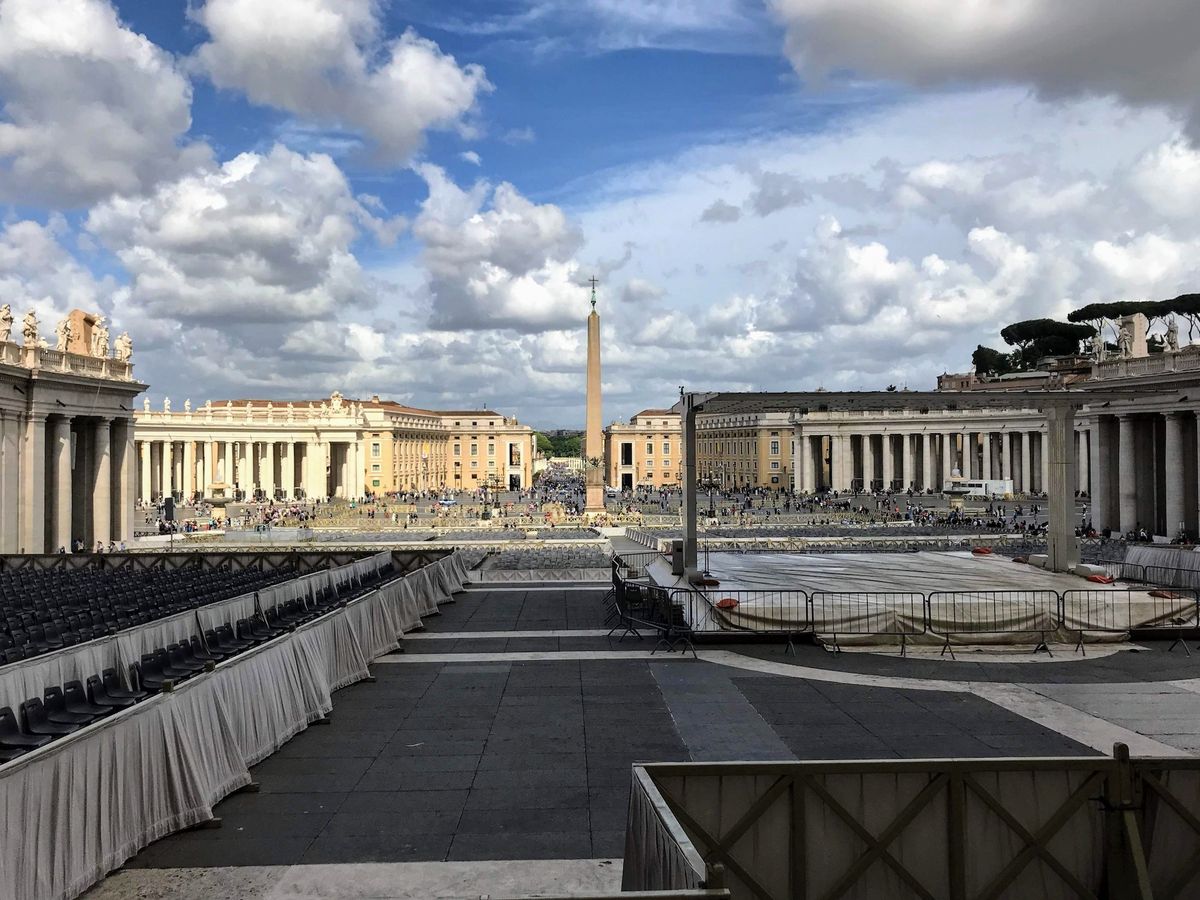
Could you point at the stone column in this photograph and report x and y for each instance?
(287, 469)
(10, 480)
(1006, 466)
(907, 479)
(227, 466)
(177, 468)
(1058, 457)
(266, 469)
(1083, 474)
(947, 457)
(868, 461)
(1026, 482)
(889, 461)
(1174, 470)
(60, 481)
(926, 461)
(1044, 459)
(1126, 482)
(189, 469)
(355, 474)
(1099, 499)
(102, 484)
(128, 482)
(986, 466)
(33, 485)
(144, 472)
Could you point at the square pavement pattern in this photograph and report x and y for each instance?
(520, 760)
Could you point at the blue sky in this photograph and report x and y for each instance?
(288, 198)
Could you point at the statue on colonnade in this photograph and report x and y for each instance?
(1172, 336)
(63, 333)
(29, 329)
(100, 338)
(187, 406)
(166, 404)
(124, 347)
(1125, 343)
(146, 404)
(6, 323)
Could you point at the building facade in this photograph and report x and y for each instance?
(285, 450)
(645, 452)
(67, 464)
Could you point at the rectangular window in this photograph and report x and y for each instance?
(666, 448)
(627, 454)
(474, 464)
(774, 448)
(474, 449)
(774, 464)
(374, 482)
(491, 449)
(375, 467)
(458, 449)
(649, 448)
(649, 464)
(666, 464)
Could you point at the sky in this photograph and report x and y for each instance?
(283, 198)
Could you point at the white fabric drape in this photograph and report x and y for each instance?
(80, 807)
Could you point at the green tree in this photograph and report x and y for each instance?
(990, 362)
(1035, 338)
(1186, 306)
(1099, 315)
(544, 444)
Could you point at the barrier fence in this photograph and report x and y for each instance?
(680, 615)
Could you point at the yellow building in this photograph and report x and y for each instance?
(750, 450)
(330, 448)
(646, 452)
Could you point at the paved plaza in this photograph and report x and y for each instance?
(506, 732)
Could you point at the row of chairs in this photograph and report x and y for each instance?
(46, 610)
(64, 710)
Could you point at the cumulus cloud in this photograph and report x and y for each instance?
(89, 107)
(641, 291)
(1140, 53)
(495, 259)
(720, 212)
(38, 272)
(774, 191)
(327, 61)
(261, 238)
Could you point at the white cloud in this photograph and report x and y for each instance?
(263, 238)
(774, 191)
(326, 60)
(470, 156)
(1142, 53)
(641, 291)
(89, 107)
(38, 272)
(495, 259)
(720, 212)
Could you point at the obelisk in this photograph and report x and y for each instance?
(593, 438)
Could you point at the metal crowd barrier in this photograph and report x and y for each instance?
(1162, 610)
(869, 613)
(994, 612)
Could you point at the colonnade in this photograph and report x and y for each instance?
(64, 479)
(925, 460)
(229, 468)
(1145, 466)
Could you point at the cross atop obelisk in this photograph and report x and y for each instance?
(593, 438)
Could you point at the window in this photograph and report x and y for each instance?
(491, 449)
(774, 448)
(627, 454)
(374, 482)
(474, 449)
(375, 467)
(649, 464)
(649, 448)
(666, 464)
(458, 449)
(474, 464)
(774, 464)
(666, 448)
(376, 450)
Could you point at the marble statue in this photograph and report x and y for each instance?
(166, 404)
(291, 412)
(249, 410)
(1172, 336)
(63, 333)
(6, 323)
(228, 410)
(100, 338)
(1124, 343)
(146, 404)
(1097, 348)
(187, 406)
(335, 401)
(124, 346)
(29, 329)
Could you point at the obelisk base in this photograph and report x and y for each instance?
(594, 502)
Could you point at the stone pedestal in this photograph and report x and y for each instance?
(594, 484)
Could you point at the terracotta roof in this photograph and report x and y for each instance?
(654, 412)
